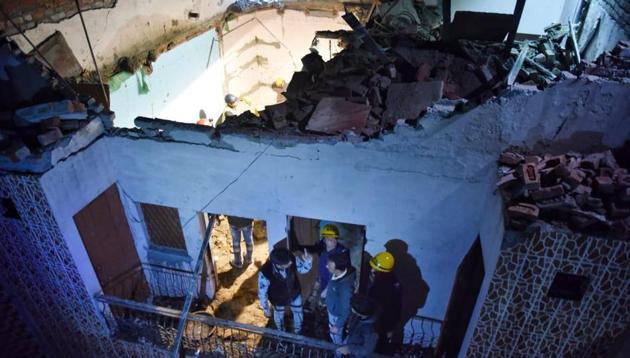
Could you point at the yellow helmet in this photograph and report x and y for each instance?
(278, 83)
(383, 262)
(330, 231)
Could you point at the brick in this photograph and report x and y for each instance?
(62, 109)
(49, 123)
(507, 180)
(511, 159)
(530, 175)
(564, 202)
(534, 159)
(606, 172)
(617, 212)
(523, 211)
(18, 151)
(591, 161)
(547, 193)
(583, 189)
(553, 161)
(604, 185)
(50, 137)
(623, 181)
(575, 178)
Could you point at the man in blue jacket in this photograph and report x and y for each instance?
(339, 292)
(362, 336)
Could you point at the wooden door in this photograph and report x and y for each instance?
(105, 232)
(461, 304)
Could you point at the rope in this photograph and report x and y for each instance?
(87, 37)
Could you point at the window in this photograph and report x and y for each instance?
(163, 226)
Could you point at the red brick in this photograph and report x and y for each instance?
(604, 185)
(524, 211)
(547, 193)
(533, 159)
(552, 161)
(506, 180)
(575, 178)
(531, 177)
(50, 137)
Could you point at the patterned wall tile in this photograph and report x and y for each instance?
(518, 314)
(36, 262)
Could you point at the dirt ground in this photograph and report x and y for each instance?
(236, 298)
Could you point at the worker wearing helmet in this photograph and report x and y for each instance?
(384, 289)
(328, 245)
(235, 106)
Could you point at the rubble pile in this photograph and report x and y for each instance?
(586, 193)
(614, 64)
(35, 121)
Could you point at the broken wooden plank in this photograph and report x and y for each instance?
(335, 114)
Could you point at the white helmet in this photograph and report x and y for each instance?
(230, 98)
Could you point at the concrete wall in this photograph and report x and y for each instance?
(184, 80)
(128, 28)
(537, 14)
(432, 188)
(263, 46)
(614, 25)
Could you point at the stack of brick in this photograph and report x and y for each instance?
(36, 127)
(589, 193)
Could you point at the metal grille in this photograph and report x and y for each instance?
(204, 334)
(163, 226)
(421, 337)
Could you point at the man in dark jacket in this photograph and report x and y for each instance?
(278, 283)
(362, 336)
(340, 290)
(385, 290)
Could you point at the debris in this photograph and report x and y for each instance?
(408, 100)
(334, 115)
(49, 137)
(586, 193)
(57, 52)
(17, 151)
(66, 109)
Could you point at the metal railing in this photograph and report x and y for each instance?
(420, 337)
(203, 334)
(147, 282)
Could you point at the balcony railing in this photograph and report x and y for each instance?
(420, 337)
(203, 334)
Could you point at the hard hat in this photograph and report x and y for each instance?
(330, 231)
(278, 83)
(383, 262)
(230, 98)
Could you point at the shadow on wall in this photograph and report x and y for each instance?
(414, 289)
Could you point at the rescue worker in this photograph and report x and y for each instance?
(339, 291)
(384, 288)
(362, 336)
(278, 284)
(235, 106)
(238, 226)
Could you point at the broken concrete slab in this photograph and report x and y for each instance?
(66, 109)
(335, 114)
(481, 26)
(50, 136)
(57, 52)
(409, 100)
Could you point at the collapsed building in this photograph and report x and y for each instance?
(492, 163)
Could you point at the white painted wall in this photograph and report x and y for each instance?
(537, 14)
(431, 188)
(184, 80)
(283, 39)
(124, 29)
